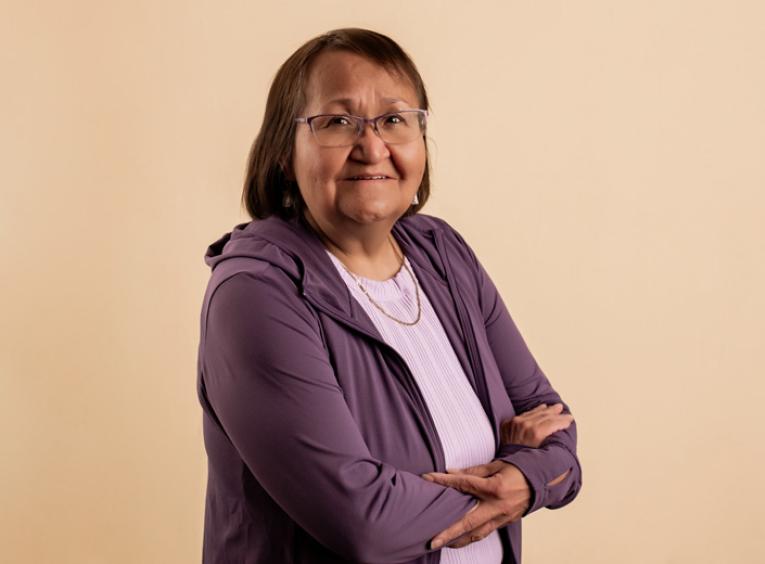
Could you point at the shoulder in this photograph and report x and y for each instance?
(454, 241)
(450, 250)
(266, 290)
(253, 300)
(425, 223)
(257, 311)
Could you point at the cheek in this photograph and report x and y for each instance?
(300, 156)
(315, 165)
(411, 159)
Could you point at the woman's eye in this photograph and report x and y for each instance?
(339, 120)
(393, 119)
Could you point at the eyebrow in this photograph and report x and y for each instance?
(348, 101)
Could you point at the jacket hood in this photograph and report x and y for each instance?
(295, 248)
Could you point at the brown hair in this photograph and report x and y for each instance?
(266, 182)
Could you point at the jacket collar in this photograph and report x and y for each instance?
(294, 247)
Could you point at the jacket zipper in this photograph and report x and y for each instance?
(467, 330)
(436, 447)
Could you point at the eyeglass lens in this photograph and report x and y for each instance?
(340, 130)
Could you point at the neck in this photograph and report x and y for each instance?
(370, 251)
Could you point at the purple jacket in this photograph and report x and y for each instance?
(315, 430)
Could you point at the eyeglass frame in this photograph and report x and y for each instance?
(363, 121)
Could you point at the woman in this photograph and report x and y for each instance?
(353, 349)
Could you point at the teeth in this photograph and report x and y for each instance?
(368, 177)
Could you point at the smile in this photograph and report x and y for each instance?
(368, 178)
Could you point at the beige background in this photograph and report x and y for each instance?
(604, 159)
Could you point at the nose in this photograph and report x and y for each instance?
(369, 146)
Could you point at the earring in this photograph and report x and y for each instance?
(415, 200)
(287, 200)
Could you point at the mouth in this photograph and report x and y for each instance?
(369, 178)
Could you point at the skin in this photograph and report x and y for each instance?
(354, 221)
(354, 218)
(534, 426)
(502, 490)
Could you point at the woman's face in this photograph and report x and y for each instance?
(322, 173)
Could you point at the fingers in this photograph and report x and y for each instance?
(536, 413)
(502, 498)
(481, 470)
(539, 412)
(565, 419)
(478, 516)
(549, 426)
(474, 485)
(531, 427)
(479, 533)
(507, 426)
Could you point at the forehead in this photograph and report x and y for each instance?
(343, 80)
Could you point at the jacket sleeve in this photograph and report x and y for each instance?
(269, 380)
(527, 386)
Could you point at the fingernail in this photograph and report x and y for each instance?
(436, 544)
(427, 477)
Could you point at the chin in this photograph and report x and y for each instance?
(371, 212)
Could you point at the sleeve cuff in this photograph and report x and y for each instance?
(540, 466)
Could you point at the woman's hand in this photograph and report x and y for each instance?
(503, 491)
(534, 426)
(504, 495)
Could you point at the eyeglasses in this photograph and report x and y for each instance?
(342, 130)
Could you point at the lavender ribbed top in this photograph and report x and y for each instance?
(462, 425)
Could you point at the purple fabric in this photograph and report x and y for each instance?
(315, 428)
(461, 423)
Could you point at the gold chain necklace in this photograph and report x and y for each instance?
(378, 306)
